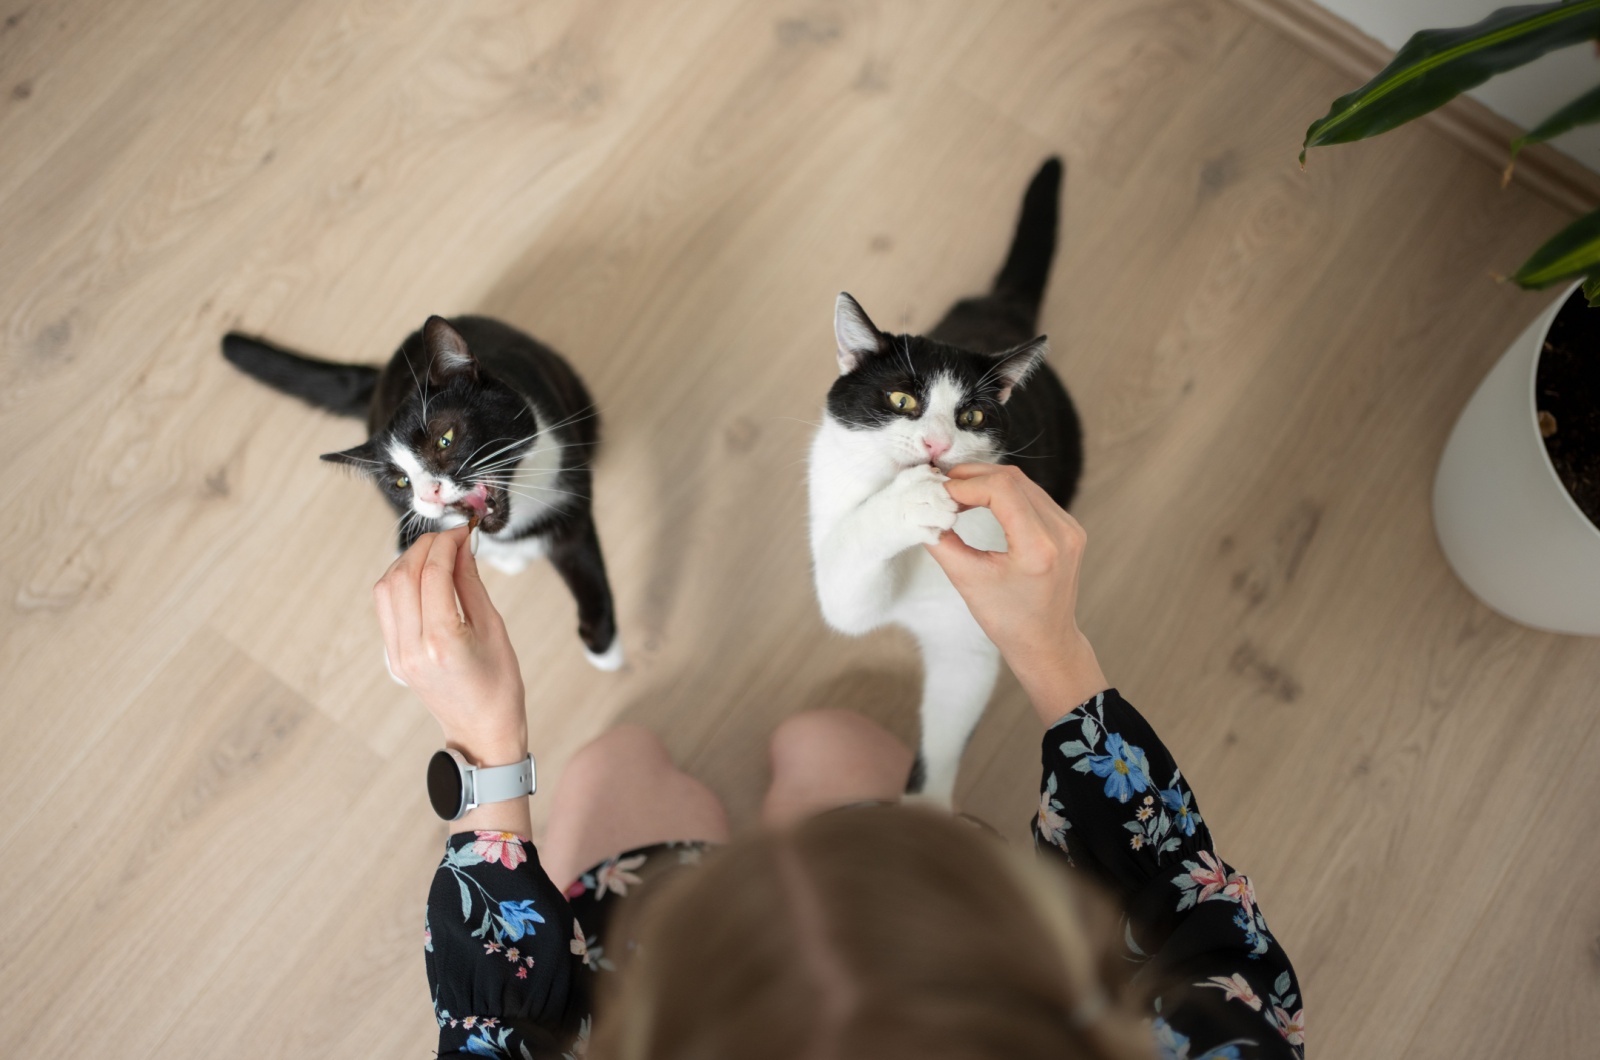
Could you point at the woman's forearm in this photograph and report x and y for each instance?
(1058, 681)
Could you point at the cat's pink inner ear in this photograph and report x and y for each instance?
(1019, 362)
(448, 354)
(857, 336)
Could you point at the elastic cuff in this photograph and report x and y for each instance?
(1093, 701)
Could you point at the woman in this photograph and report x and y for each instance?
(873, 931)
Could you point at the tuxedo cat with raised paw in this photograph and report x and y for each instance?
(471, 420)
(906, 408)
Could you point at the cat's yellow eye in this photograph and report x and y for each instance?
(402, 482)
(900, 401)
(971, 418)
(446, 438)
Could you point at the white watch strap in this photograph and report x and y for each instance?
(501, 783)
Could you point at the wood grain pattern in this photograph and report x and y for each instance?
(1267, 362)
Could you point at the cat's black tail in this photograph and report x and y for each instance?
(342, 388)
(1022, 279)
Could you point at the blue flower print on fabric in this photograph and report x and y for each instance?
(1183, 815)
(517, 919)
(1157, 826)
(1175, 1046)
(489, 1043)
(1124, 768)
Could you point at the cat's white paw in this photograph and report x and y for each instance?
(610, 660)
(924, 507)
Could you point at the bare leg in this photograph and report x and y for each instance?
(621, 791)
(824, 759)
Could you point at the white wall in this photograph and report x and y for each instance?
(1526, 96)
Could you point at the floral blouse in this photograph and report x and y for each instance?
(512, 960)
(1113, 804)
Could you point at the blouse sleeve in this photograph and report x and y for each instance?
(505, 975)
(1114, 805)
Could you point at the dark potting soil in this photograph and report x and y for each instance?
(1567, 389)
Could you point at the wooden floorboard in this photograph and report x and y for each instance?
(1267, 362)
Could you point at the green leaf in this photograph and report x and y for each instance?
(1591, 289)
(1436, 65)
(1585, 110)
(1572, 252)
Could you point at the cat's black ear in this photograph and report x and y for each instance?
(857, 336)
(364, 458)
(1019, 362)
(448, 356)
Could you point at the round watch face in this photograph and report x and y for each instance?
(444, 785)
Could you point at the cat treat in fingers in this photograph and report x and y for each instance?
(472, 418)
(905, 409)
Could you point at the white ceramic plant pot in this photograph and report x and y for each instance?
(1507, 525)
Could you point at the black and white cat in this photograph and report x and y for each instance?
(904, 409)
(472, 417)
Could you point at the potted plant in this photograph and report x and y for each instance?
(1516, 500)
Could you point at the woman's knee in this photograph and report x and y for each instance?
(828, 758)
(621, 751)
(820, 737)
(620, 791)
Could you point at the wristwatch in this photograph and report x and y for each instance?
(456, 786)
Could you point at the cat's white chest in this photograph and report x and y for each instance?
(510, 557)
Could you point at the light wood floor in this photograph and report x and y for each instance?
(214, 838)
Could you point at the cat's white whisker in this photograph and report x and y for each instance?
(468, 461)
(588, 412)
(506, 448)
(518, 457)
(512, 487)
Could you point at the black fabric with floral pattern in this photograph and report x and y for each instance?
(1113, 804)
(512, 961)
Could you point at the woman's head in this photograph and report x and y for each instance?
(875, 932)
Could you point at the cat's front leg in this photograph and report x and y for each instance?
(857, 576)
(575, 552)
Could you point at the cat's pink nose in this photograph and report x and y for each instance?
(429, 492)
(935, 447)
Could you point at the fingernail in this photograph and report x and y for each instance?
(473, 538)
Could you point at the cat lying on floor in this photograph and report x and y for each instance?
(905, 408)
(469, 418)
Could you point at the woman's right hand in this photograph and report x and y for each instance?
(447, 642)
(1025, 598)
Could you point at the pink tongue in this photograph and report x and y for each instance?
(478, 499)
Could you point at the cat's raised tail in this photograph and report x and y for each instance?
(1023, 277)
(342, 388)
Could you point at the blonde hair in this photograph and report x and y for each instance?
(876, 932)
